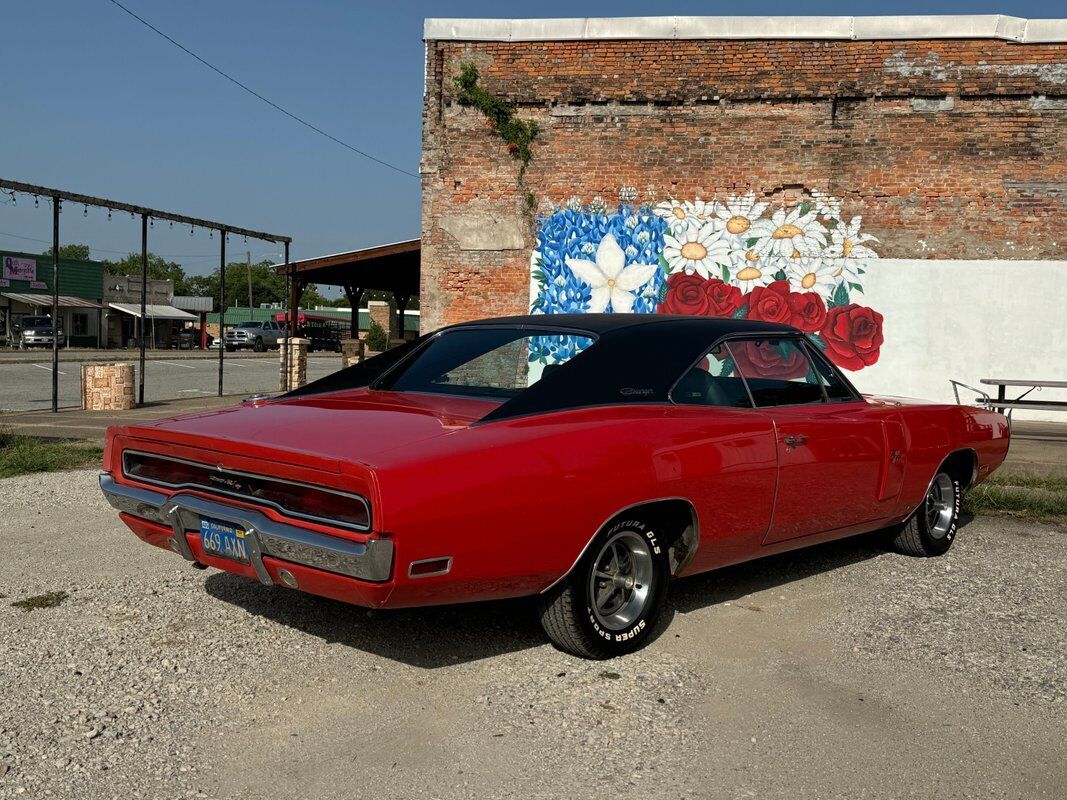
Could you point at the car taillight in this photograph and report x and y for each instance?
(315, 503)
(328, 506)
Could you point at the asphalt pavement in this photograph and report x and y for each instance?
(28, 386)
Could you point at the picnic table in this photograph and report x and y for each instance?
(1002, 401)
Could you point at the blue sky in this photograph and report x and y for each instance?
(94, 102)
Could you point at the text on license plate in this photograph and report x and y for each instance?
(223, 539)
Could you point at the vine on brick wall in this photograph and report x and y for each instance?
(500, 115)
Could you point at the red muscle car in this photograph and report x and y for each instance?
(460, 467)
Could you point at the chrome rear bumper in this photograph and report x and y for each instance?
(370, 561)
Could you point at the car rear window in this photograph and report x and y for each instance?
(493, 362)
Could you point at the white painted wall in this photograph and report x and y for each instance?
(967, 320)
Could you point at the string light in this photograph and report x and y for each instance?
(191, 230)
(109, 213)
(151, 222)
(85, 210)
(36, 201)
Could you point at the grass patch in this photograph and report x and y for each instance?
(46, 600)
(20, 455)
(1040, 497)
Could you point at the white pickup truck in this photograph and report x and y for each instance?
(258, 336)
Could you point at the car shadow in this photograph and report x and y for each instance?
(440, 636)
(734, 582)
(428, 637)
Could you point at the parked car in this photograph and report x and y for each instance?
(453, 469)
(37, 332)
(258, 336)
(189, 339)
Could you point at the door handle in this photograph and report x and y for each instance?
(795, 440)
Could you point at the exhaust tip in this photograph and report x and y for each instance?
(286, 578)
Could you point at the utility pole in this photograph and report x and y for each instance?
(248, 257)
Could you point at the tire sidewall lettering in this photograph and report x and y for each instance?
(638, 526)
(642, 624)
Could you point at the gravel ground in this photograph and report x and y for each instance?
(838, 672)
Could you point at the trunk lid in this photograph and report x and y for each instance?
(320, 431)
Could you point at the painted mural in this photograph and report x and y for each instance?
(802, 265)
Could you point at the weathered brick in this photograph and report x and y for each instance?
(947, 148)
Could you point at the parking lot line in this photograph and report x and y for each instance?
(173, 364)
(42, 366)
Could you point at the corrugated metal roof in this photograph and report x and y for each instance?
(41, 299)
(152, 311)
(190, 303)
(952, 26)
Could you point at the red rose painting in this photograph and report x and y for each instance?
(807, 311)
(853, 336)
(761, 361)
(697, 296)
(723, 299)
(685, 295)
(770, 303)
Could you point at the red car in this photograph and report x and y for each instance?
(583, 459)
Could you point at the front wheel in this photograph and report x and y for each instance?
(931, 529)
(610, 602)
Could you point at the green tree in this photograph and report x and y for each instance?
(75, 252)
(158, 269)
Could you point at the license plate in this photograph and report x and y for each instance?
(223, 539)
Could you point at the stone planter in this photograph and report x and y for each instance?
(351, 352)
(108, 387)
(298, 363)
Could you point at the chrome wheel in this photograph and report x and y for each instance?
(940, 506)
(621, 580)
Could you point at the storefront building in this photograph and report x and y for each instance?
(897, 186)
(26, 290)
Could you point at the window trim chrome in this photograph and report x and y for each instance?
(196, 487)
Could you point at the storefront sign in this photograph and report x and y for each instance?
(38, 285)
(20, 269)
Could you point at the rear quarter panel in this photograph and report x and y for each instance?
(934, 432)
(515, 502)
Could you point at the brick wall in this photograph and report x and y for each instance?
(948, 149)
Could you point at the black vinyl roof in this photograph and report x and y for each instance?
(637, 358)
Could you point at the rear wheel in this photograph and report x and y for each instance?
(609, 604)
(931, 529)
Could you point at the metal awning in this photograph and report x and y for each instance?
(390, 267)
(65, 301)
(152, 311)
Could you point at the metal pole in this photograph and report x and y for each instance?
(222, 305)
(144, 305)
(248, 258)
(55, 303)
(288, 299)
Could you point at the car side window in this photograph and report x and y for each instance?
(836, 388)
(777, 372)
(712, 382)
